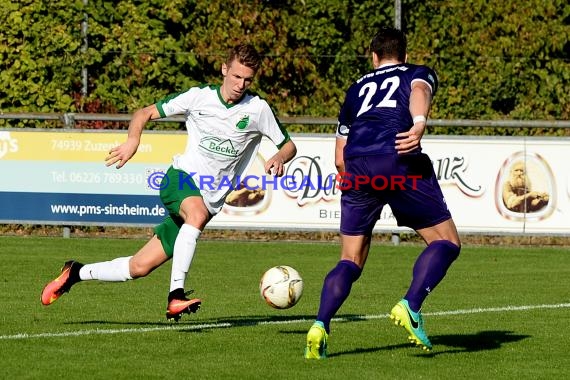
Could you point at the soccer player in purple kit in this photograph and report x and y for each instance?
(380, 125)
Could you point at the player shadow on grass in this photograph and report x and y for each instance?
(443, 344)
(481, 341)
(211, 323)
(230, 321)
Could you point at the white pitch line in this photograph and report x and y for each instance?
(223, 325)
(116, 331)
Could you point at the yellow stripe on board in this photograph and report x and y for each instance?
(86, 146)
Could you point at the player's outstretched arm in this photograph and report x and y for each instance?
(121, 154)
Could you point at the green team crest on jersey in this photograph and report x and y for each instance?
(243, 122)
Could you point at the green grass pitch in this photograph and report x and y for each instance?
(501, 313)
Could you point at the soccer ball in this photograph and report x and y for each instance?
(281, 287)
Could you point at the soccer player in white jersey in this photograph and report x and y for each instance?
(225, 126)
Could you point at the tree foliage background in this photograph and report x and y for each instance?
(495, 60)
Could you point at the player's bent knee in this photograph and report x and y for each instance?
(456, 242)
(455, 249)
(139, 270)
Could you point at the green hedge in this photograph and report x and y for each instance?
(495, 60)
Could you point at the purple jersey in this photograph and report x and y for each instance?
(376, 108)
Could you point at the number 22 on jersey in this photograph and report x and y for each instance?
(370, 89)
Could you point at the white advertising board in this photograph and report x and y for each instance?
(59, 177)
(472, 172)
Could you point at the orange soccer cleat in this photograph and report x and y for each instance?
(178, 304)
(56, 288)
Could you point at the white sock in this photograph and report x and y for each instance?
(114, 270)
(184, 248)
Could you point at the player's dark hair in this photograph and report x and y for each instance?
(389, 43)
(246, 55)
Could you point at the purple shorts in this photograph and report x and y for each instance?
(406, 183)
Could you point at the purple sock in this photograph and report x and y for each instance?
(336, 289)
(430, 268)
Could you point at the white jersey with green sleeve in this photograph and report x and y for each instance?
(223, 138)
